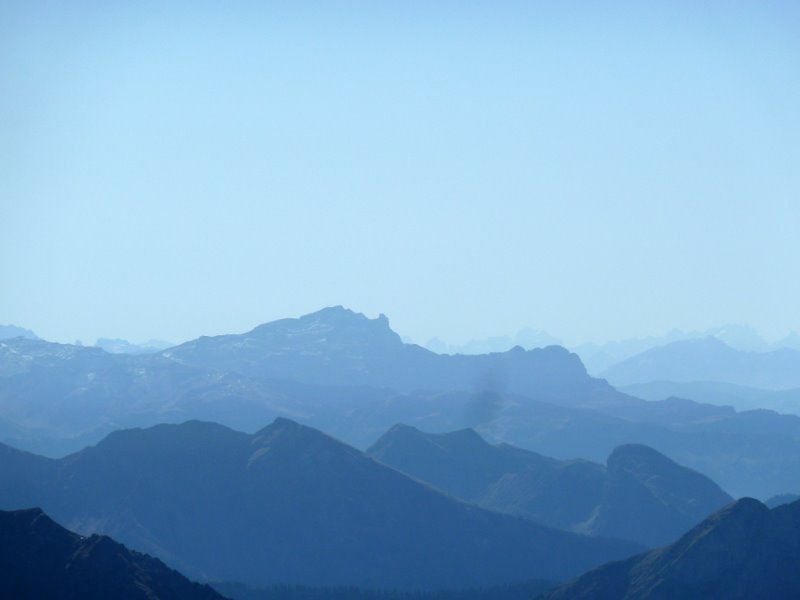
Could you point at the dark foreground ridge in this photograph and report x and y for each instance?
(743, 551)
(40, 559)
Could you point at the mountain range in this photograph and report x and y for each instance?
(40, 559)
(743, 551)
(709, 359)
(58, 398)
(640, 495)
(599, 357)
(287, 504)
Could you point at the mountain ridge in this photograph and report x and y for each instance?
(290, 505)
(744, 550)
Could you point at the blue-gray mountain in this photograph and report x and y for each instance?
(57, 398)
(640, 495)
(40, 559)
(744, 551)
(720, 394)
(336, 346)
(286, 505)
(709, 359)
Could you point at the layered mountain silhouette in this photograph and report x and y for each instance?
(640, 495)
(287, 504)
(709, 359)
(743, 551)
(58, 398)
(40, 559)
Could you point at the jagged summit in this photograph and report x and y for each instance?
(333, 323)
(337, 346)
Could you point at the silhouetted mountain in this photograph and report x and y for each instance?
(720, 394)
(120, 346)
(12, 331)
(781, 499)
(743, 551)
(709, 359)
(641, 496)
(336, 346)
(648, 497)
(287, 505)
(58, 398)
(40, 559)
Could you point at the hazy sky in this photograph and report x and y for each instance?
(598, 170)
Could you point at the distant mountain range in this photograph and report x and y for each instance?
(58, 398)
(743, 551)
(709, 359)
(640, 495)
(599, 357)
(527, 339)
(40, 559)
(120, 346)
(287, 504)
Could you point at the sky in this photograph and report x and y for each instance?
(600, 170)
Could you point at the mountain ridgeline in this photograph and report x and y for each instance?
(744, 551)
(352, 377)
(709, 359)
(640, 495)
(289, 505)
(40, 559)
(336, 346)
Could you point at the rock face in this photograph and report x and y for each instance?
(40, 559)
(641, 495)
(287, 504)
(743, 551)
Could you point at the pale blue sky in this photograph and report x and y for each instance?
(598, 170)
